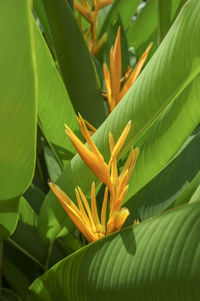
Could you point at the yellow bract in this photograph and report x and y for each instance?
(85, 217)
(113, 81)
(92, 157)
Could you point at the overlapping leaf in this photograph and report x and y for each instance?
(126, 10)
(18, 100)
(168, 76)
(79, 75)
(54, 107)
(158, 259)
(8, 217)
(180, 177)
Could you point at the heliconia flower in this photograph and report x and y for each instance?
(117, 220)
(92, 157)
(107, 173)
(99, 43)
(85, 217)
(102, 3)
(84, 10)
(135, 72)
(112, 78)
(90, 127)
(119, 183)
(89, 11)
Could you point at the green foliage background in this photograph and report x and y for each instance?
(47, 75)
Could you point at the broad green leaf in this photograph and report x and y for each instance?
(168, 76)
(166, 11)
(141, 29)
(15, 278)
(27, 240)
(35, 197)
(99, 71)
(40, 14)
(69, 243)
(155, 260)
(126, 10)
(9, 295)
(26, 237)
(171, 183)
(168, 134)
(54, 107)
(144, 29)
(26, 213)
(79, 74)
(102, 15)
(196, 196)
(19, 270)
(53, 167)
(8, 217)
(18, 100)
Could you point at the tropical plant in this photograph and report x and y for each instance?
(61, 58)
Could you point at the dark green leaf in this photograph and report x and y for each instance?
(169, 184)
(156, 260)
(8, 217)
(54, 108)
(79, 75)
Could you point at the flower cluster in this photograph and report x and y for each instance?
(89, 10)
(85, 217)
(116, 87)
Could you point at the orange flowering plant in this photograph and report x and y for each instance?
(85, 218)
(99, 156)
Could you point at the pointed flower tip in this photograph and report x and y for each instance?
(150, 45)
(79, 116)
(50, 183)
(67, 132)
(53, 186)
(66, 128)
(145, 54)
(118, 31)
(137, 151)
(136, 222)
(110, 135)
(128, 126)
(125, 211)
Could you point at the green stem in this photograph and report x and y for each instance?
(14, 244)
(48, 256)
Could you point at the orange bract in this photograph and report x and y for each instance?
(114, 92)
(90, 11)
(86, 218)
